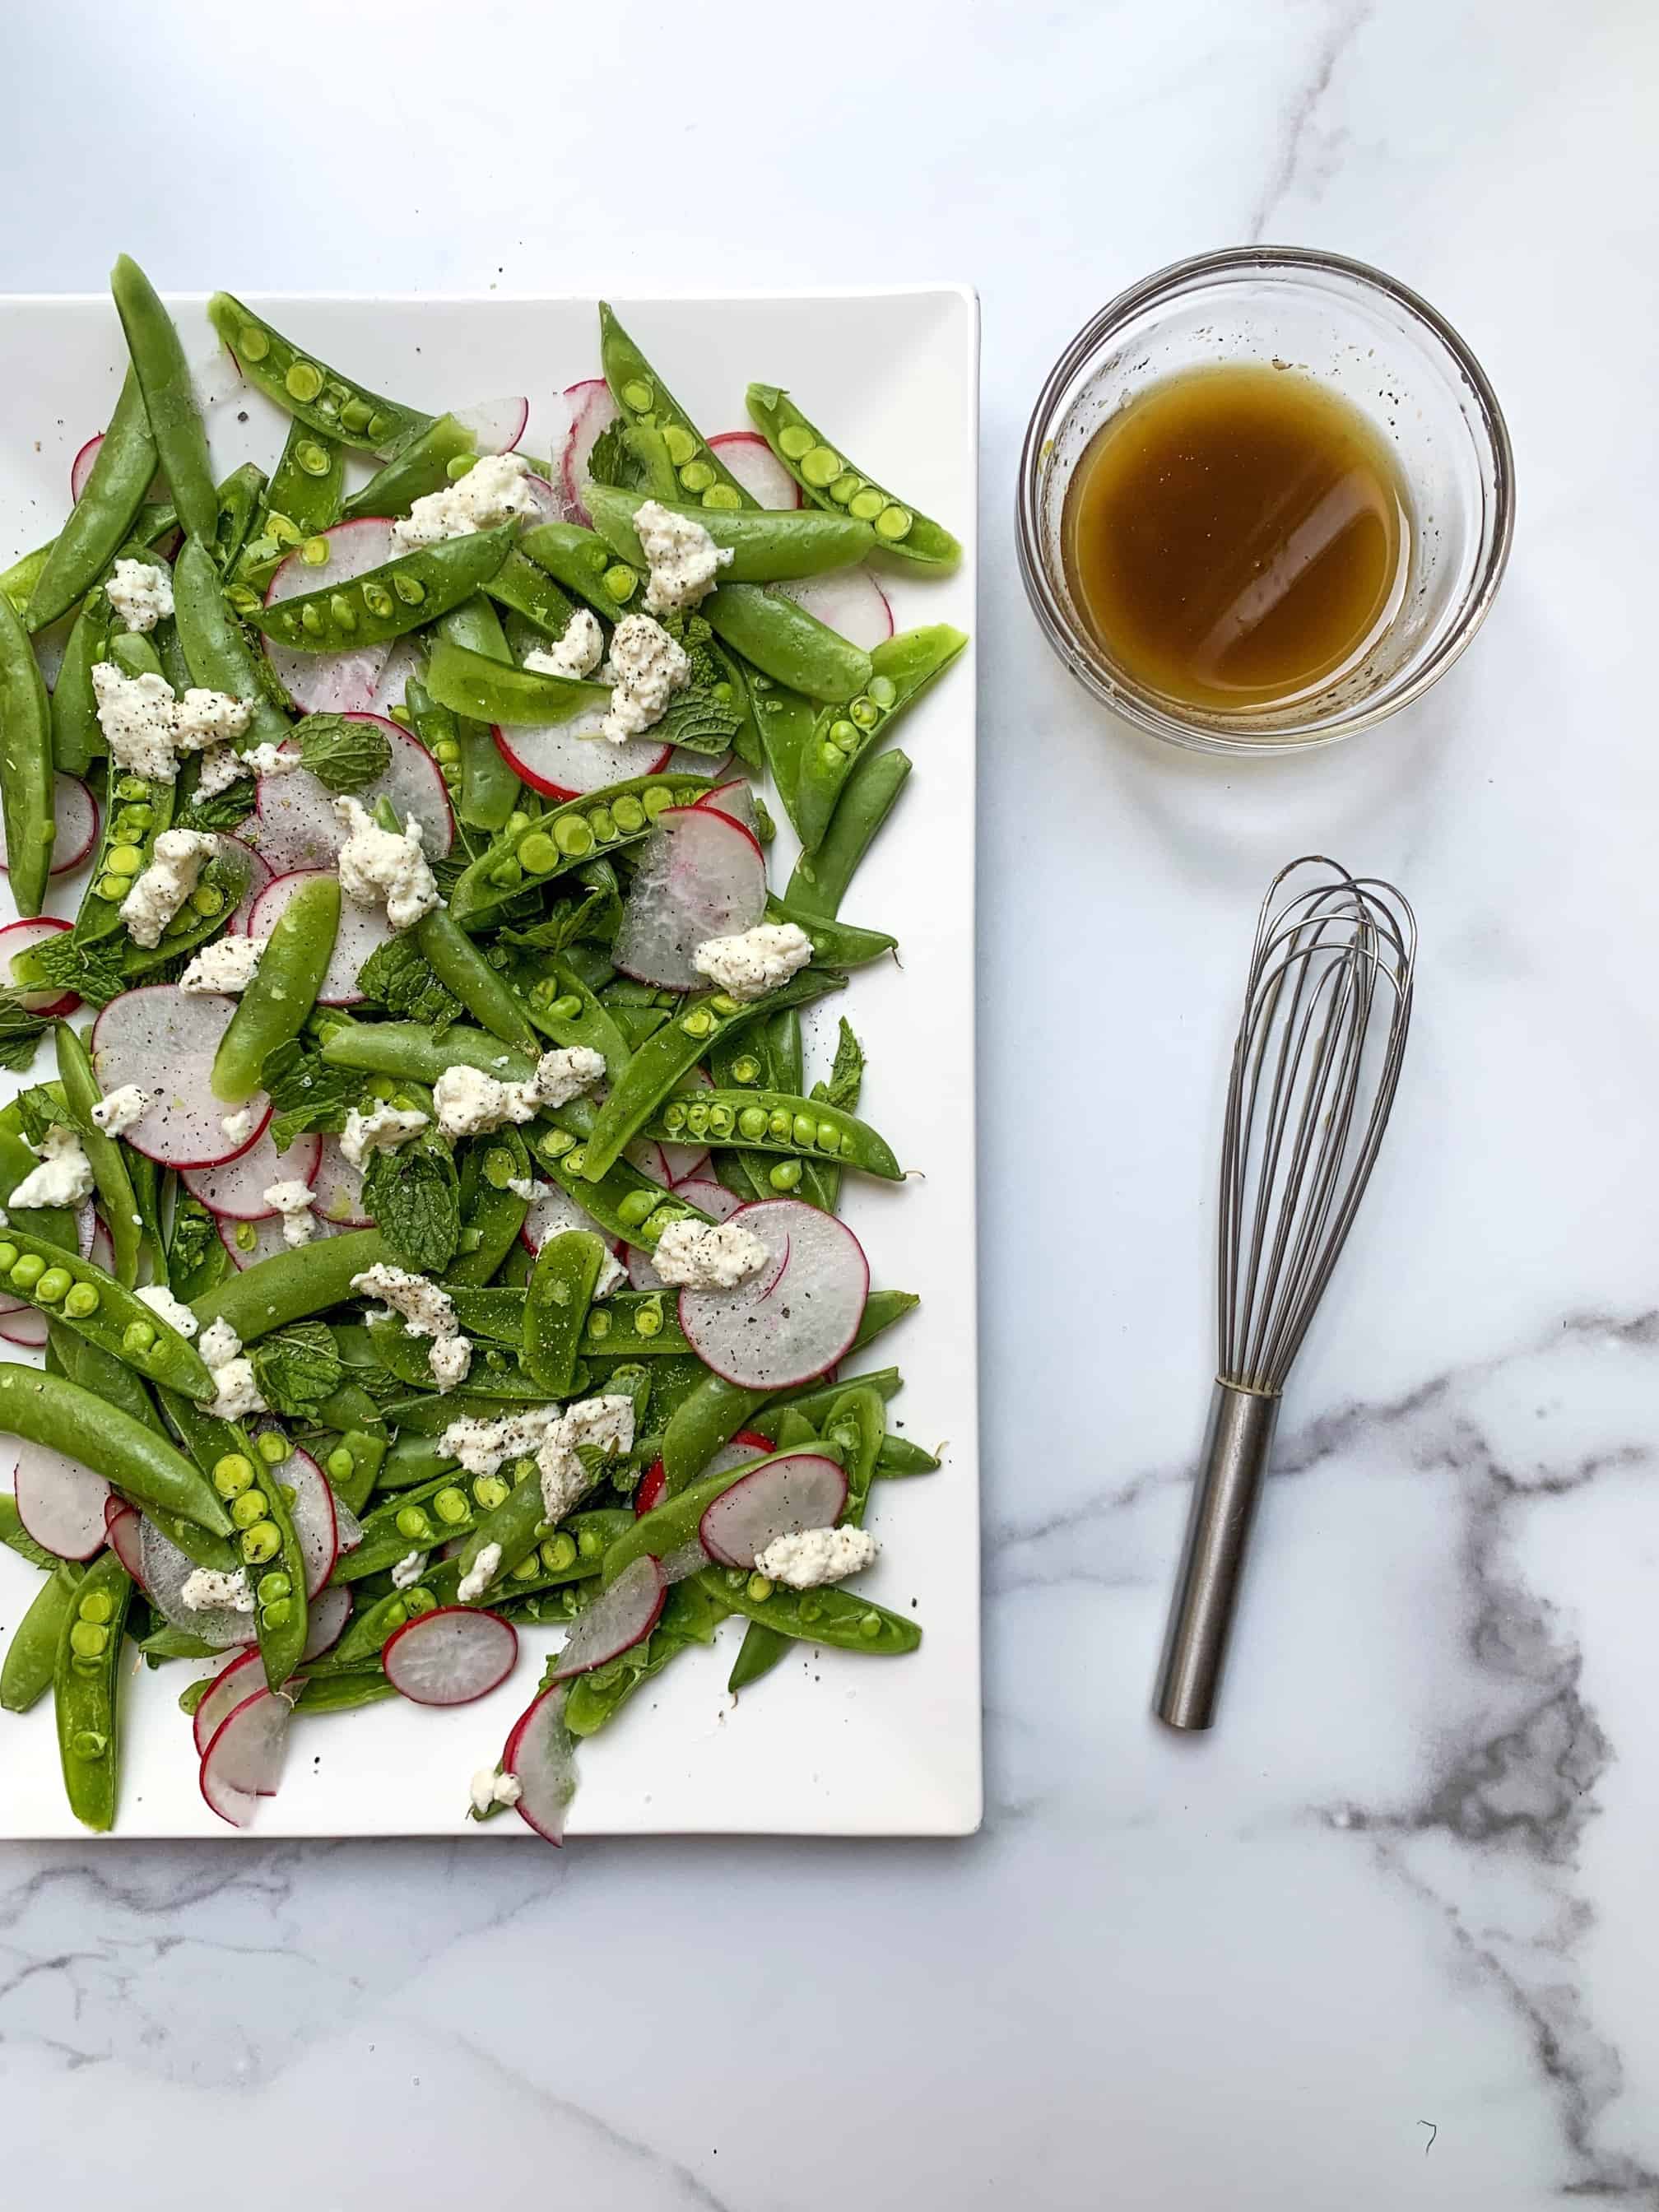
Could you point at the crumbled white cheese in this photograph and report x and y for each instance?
(140, 593)
(219, 1344)
(707, 1256)
(750, 965)
(564, 1073)
(380, 1130)
(523, 1186)
(605, 1424)
(63, 1176)
(685, 562)
(408, 1571)
(577, 653)
(493, 490)
(479, 1576)
(237, 1127)
(293, 1201)
(226, 965)
(118, 1113)
(449, 1360)
(175, 869)
(470, 1103)
(427, 1311)
(207, 1586)
(236, 1394)
(176, 1314)
(135, 714)
(208, 718)
(221, 768)
(487, 1787)
(378, 868)
(645, 670)
(816, 1556)
(271, 760)
(481, 1445)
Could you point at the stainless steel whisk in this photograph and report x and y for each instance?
(1326, 1006)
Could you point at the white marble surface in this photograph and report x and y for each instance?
(1387, 1938)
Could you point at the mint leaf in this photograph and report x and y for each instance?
(343, 754)
(197, 1259)
(225, 809)
(307, 1092)
(396, 978)
(414, 1196)
(297, 1368)
(92, 972)
(612, 460)
(20, 1031)
(708, 713)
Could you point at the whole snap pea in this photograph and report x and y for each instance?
(831, 1615)
(711, 1415)
(899, 1458)
(77, 738)
(492, 1215)
(100, 519)
(343, 1693)
(482, 1311)
(17, 583)
(334, 404)
(581, 561)
(644, 397)
(527, 590)
(490, 784)
(86, 1677)
(488, 690)
(135, 653)
(632, 1323)
(93, 1304)
(834, 943)
(566, 837)
(158, 359)
(785, 720)
(273, 1008)
(31, 1654)
(903, 667)
(787, 643)
(774, 1122)
(401, 595)
(48, 1409)
(106, 1156)
(26, 771)
(411, 1051)
(419, 467)
(457, 963)
(765, 547)
(556, 1309)
(291, 1285)
(831, 481)
(821, 878)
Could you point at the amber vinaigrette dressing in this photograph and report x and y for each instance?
(1237, 536)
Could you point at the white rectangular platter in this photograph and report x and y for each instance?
(831, 1744)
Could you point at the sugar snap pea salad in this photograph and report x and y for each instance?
(433, 1235)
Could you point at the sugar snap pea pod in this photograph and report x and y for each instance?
(386, 603)
(667, 1527)
(834, 943)
(857, 1422)
(163, 375)
(787, 643)
(490, 691)
(308, 483)
(25, 785)
(291, 1285)
(31, 1654)
(560, 1291)
(566, 838)
(899, 1458)
(140, 808)
(644, 397)
(784, 720)
(97, 1307)
(273, 1008)
(483, 1311)
(49, 1410)
(774, 1122)
(632, 1323)
(410, 1051)
(217, 649)
(100, 519)
(17, 583)
(622, 1201)
(457, 963)
(419, 467)
(903, 667)
(135, 655)
(831, 481)
(492, 1213)
(77, 738)
(519, 584)
(244, 1474)
(690, 1617)
(583, 564)
(494, 1369)
(106, 1156)
(820, 879)
(831, 1615)
(490, 784)
(334, 404)
(343, 1693)
(86, 1676)
(675, 1049)
(765, 548)
(240, 496)
(559, 1003)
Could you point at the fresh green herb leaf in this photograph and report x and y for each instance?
(706, 715)
(297, 1368)
(225, 809)
(307, 1092)
(343, 754)
(20, 1031)
(847, 1073)
(396, 978)
(413, 1197)
(93, 972)
(197, 1257)
(41, 1110)
(612, 459)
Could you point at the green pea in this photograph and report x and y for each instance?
(278, 1613)
(303, 380)
(378, 600)
(829, 1137)
(746, 1070)
(96, 1605)
(232, 1475)
(636, 1207)
(310, 456)
(356, 413)
(647, 1321)
(892, 524)
(636, 395)
(52, 1285)
(89, 1744)
(84, 1300)
(556, 1144)
(539, 852)
(452, 1506)
(720, 1120)
(812, 1608)
(498, 1168)
(865, 713)
(559, 1553)
(883, 690)
(697, 476)
(253, 344)
(629, 813)
(378, 424)
(274, 1585)
(206, 901)
(759, 1588)
(720, 495)
(796, 441)
(311, 619)
(589, 1544)
(448, 751)
(821, 466)
(673, 1117)
(698, 1023)
(572, 836)
(137, 1337)
(682, 445)
(111, 888)
(409, 589)
(603, 825)
(751, 1122)
(412, 1522)
(804, 1129)
(697, 1120)
(622, 583)
(261, 1542)
(246, 1237)
(657, 801)
(488, 1491)
(132, 786)
(459, 466)
(785, 1176)
(87, 1638)
(522, 1471)
(598, 1324)
(846, 488)
(343, 610)
(778, 1121)
(870, 1625)
(252, 1505)
(565, 1009)
(272, 1446)
(124, 859)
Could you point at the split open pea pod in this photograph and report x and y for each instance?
(832, 482)
(900, 670)
(78, 1291)
(389, 601)
(831, 1615)
(774, 1121)
(307, 387)
(644, 399)
(536, 848)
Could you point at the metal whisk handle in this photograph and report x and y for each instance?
(1241, 1424)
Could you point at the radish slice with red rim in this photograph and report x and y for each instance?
(298, 828)
(736, 797)
(164, 1040)
(164, 1570)
(362, 930)
(22, 937)
(259, 874)
(795, 1316)
(618, 1619)
(699, 875)
(25, 1327)
(849, 601)
(747, 1444)
(496, 425)
(405, 660)
(567, 760)
(81, 466)
(653, 1483)
(237, 1189)
(541, 1757)
(683, 761)
(121, 1533)
(552, 1211)
(316, 1525)
(756, 468)
(333, 682)
(593, 410)
(548, 499)
(75, 817)
(451, 1656)
(243, 1761)
(785, 1498)
(60, 1502)
(232, 1687)
(325, 1621)
(646, 1154)
(339, 1188)
(250, 1242)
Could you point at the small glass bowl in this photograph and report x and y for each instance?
(1378, 346)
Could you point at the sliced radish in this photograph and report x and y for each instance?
(237, 1189)
(362, 930)
(19, 936)
(708, 1197)
(747, 1444)
(496, 425)
(164, 1040)
(333, 682)
(593, 410)
(25, 1327)
(550, 500)
(567, 760)
(685, 1162)
(60, 1502)
(756, 468)
(405, 660)
(451, 1656)
(325, 1621)
(259, 874)
(796, 1316)
(297, 824)
(348, 1527)
(91, 1237)
(682, 760)
(316, 1524)
(848, 600)
(243, 1761)
(81, 466)
(701, 874)
(646, 1154)
(735, 797)
(339, 1188)
(552, 1211)
(231, 1687)
(785, 1498)
(75, 813)
(164, 1570)
(618, 1619)
(653, 1483)
(121, 1533)
(541, 1757)
(250, 1242)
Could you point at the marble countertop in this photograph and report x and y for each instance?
(1388, 1936)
